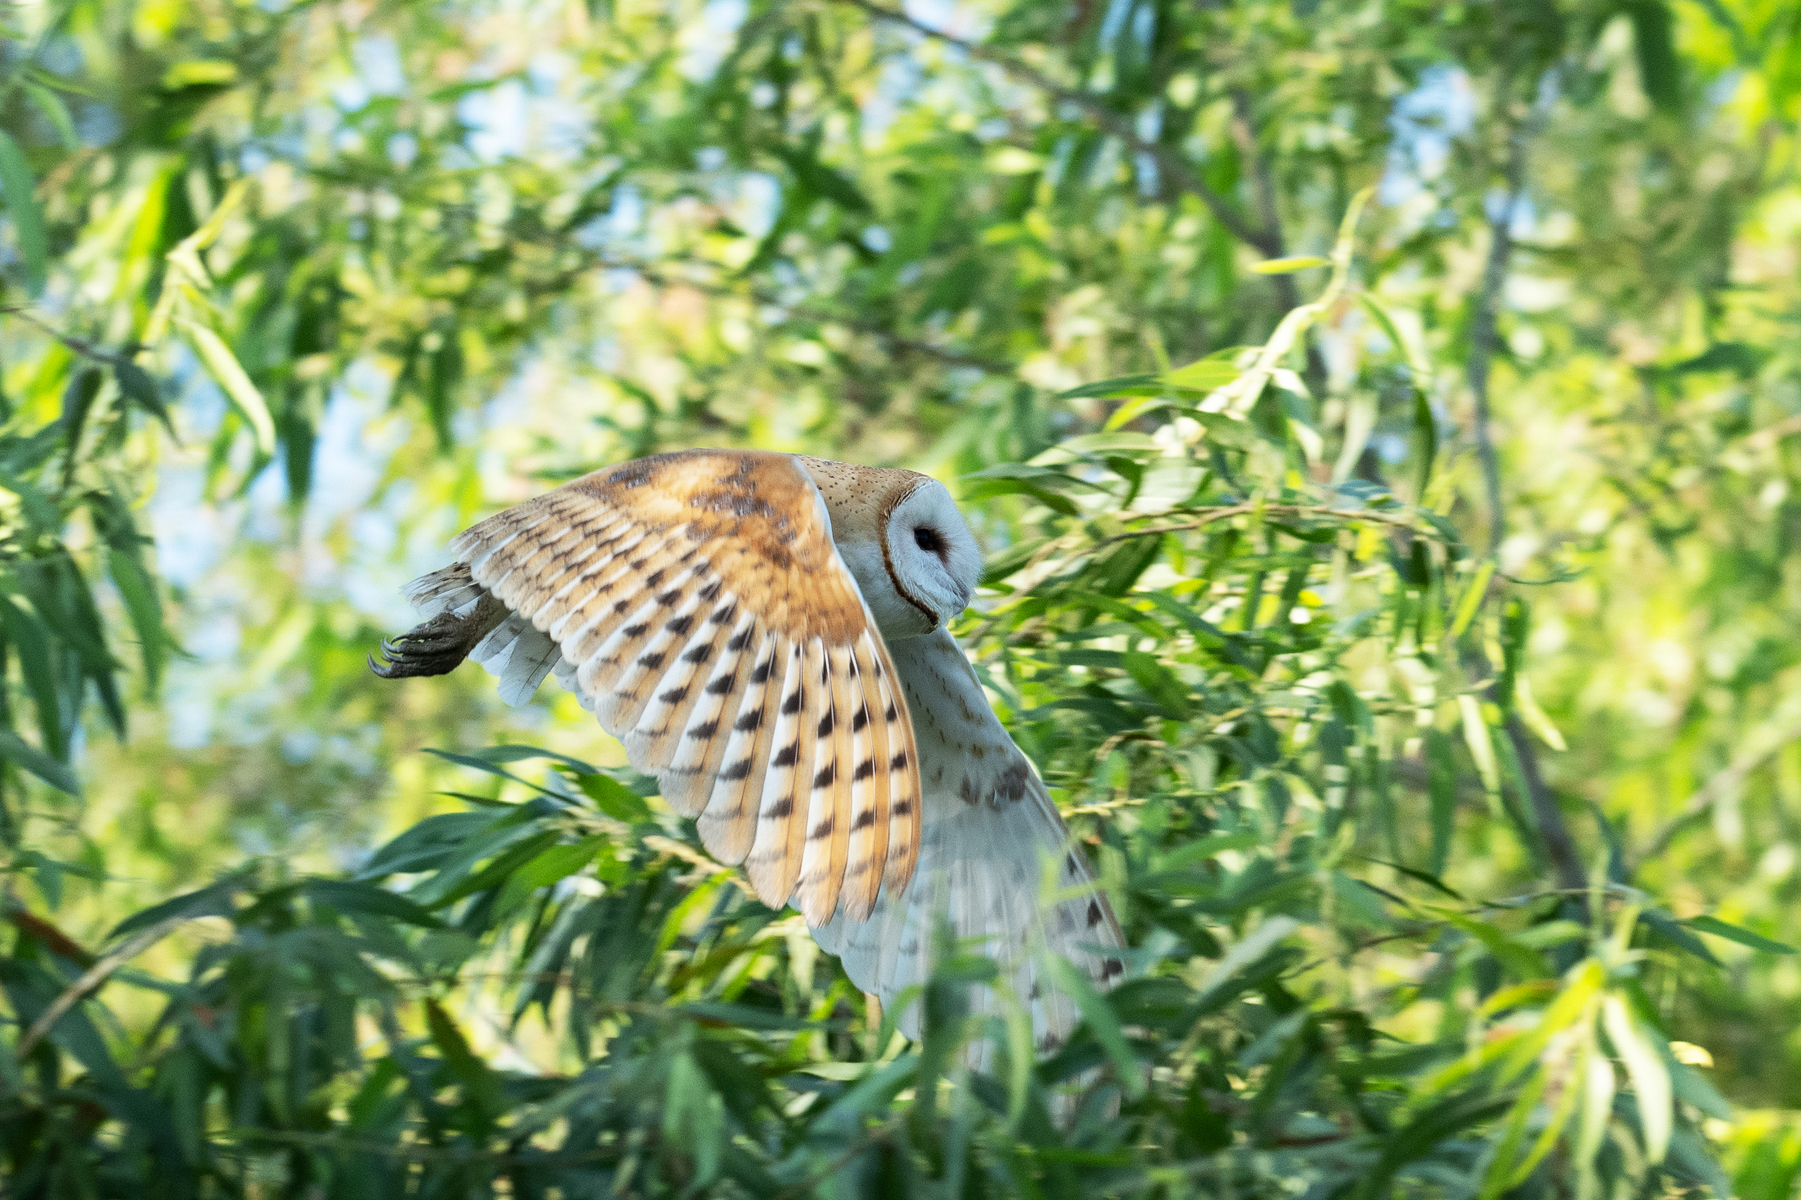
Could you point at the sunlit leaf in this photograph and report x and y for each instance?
(226, 371)
(1294, 262)
(1646, 1069)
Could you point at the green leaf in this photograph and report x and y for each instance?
(16, 188)
(350, 895)
(78, 401)
(1441, 786)
(199, 72)
(213, 900)
(1653, 41)
(140, 388)
(1734, 933)
(481, 1087)
(55, 111)
(1472, 598)
(1244, 953)
(1168, 691)
(17, 750)
(1673, 932)
(614, 798)
(1477, 736)
(693, 1117)
(1204, 375)
(550, 865)
(229, 374)
(1208, 847)
(1005, 562)
(1596, 1079)
(1645, 1067)
(31, 641)
(137, 588)
(1104, 388)
(517, 753)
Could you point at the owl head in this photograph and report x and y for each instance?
(905, 543)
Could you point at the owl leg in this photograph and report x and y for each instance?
(435, 647)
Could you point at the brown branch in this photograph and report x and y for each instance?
(1267, 241)
(91, 979)
(1483, 321)
(1263, 188)
(1553, 832)
(1717, 788)
(79, 346)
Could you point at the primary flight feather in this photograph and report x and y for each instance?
(766, 634)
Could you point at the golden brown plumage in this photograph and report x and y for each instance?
(710, 620)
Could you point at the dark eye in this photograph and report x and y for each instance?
(929, 541)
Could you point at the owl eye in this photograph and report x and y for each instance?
(928, 540)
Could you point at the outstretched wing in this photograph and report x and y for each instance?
(696, 603)
(995, 860)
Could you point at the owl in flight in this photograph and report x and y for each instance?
(766, 634)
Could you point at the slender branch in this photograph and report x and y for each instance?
(1554, 833)
(1483, 332)
(1560, 847)
(91, 979)
(897, 343)
(1723, 784)
(1486, 314)
(1121, 126)
(1263, 188)
(80, 346)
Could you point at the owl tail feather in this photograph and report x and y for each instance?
(1005, 883)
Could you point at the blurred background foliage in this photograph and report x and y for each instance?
(1426, 688)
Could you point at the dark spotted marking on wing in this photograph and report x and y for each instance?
(692, 596)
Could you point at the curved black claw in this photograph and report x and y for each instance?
(435, 647)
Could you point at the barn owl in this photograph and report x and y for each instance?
(766, 634)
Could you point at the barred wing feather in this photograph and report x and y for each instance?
(696, 603)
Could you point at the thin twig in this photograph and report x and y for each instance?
(1118, 124)
(656, 277)
(80, 346)
(1263, 188)
(92, 978)
(1484, 318)
(1553, 832)
(1723, 784)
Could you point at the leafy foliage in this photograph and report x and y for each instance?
(1276, 540)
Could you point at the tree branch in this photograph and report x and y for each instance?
(1486, 314)
(655, 275)
(1560, 847)
(1266, 241)
(1263, 188)
(1721, 785)
(92, 978)
(1554, 833)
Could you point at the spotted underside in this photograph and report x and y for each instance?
(698, 605)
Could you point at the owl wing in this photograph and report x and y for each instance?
(989, 834)
(696, 603)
